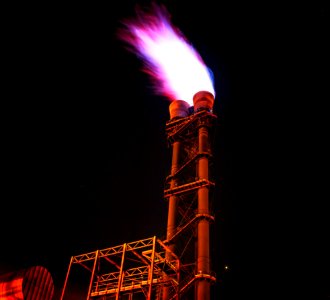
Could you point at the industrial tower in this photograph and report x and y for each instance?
(178, 267)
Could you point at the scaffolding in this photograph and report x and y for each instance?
(118, 272)
(178, 267)
(188, 190)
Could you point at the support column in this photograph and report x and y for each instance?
(173, 200)
(178, 109)
(203, 100)
(203, 226)
(172, 209)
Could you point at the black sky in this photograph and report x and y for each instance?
(84, 151)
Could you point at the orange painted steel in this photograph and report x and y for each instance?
(180, 265)
(143, 269)
(191, 217)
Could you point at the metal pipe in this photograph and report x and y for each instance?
(203, 227)
(177, 109)
(203, 100)
(172, 202)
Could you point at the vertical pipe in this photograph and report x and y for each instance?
(172, 207)
(203, 227)
(178, 109)
(173, 200)
(203, 100)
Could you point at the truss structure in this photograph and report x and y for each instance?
(169, 268)
(118, 272)
(182, 187)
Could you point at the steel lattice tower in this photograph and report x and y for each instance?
(179, 266)
(188, 193)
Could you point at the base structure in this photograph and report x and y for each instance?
(189, 191)
(179, 266)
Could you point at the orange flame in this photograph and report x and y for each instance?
(172, 62)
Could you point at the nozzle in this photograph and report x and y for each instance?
(203, 100)
(179, 109)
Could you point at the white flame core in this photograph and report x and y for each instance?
(176, 66)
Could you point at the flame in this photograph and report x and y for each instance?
(177, 69)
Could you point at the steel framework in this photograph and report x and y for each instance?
(136, 268)
(188, 189)
(178, 267)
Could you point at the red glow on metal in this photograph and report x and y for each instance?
(172, 62)
(34, 283)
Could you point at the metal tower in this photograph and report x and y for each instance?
(178, 267)
(188, 194)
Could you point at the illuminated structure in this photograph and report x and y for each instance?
(189, 217)
(178, 267)
(34, 283)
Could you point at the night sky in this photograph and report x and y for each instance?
(84, 151)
